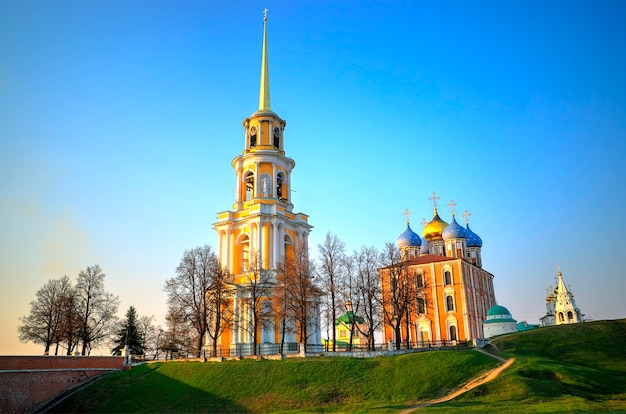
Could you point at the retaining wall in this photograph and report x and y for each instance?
(27, 382)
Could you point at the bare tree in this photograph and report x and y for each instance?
(364, 267)
(282, 308)
(220, 314)
(258, 287)
(43, 323)
(302, 293)
(97, 308)
(398, 291)
(69, 330)
(198, 291)
(177, 333)
(331, 269)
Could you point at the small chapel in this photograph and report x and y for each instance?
(560, 305)
(454, 291)
(262, 231)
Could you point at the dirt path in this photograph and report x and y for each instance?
(481, 379)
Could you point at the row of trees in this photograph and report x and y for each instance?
(66, 315)
(200, 297)
(199, 294)
(71, 316)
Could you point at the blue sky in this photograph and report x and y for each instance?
(119, 121)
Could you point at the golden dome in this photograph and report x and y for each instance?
(433, 230)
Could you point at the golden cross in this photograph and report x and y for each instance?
(407, 214)
(434, 198)
(466, 216)
(451, 206)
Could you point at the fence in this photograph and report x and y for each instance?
(293, 348)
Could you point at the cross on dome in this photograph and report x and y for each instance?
(424, 222)
(433, 199)
(466, 216)
(407, 214)
(452, 206)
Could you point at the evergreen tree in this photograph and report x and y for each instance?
(130, 335)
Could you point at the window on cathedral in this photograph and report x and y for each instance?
(249, 182)
(561, 318)
(277, 137)
(421, 305)
(447, 278)
(279, 185)
(253, 137)
(245, 254)
(570, 315)
(453, 333)
(419, 280)
(449, 303)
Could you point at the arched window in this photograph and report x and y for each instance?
(280, 178)
(419, 280)
(447, 278)
(277, 137)
(421, 305)
(449, 303)
(249, 182)
(253, 137)
(453, 333)
(570, 315)
(561, 318)
(245, 253)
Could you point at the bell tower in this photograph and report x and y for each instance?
(262, 225)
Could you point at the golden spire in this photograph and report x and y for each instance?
(264, 95)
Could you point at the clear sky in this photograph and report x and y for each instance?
(119, 120)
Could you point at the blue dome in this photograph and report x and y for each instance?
(424, 247)
(454, 231)
(409, 238)
(472, 238)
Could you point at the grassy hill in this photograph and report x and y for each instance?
(558, 369)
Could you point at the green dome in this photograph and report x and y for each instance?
(498, 310)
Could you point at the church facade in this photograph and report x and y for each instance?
(560, 305)
(262, 232)
(450, 291)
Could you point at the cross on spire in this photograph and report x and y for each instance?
(265, 10)
(452, 206)
(466, 216)
(407, 214)
(433, 199)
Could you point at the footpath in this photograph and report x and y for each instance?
(481, 379)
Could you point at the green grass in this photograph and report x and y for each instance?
(576, 368)
(312, 384)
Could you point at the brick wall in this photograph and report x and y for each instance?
(28, 381)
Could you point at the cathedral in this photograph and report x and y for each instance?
(452, 290)
(262, 232)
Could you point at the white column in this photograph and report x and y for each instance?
(236, 321)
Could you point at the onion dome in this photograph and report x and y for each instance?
(433, 230)
(409, 238)
(424, 247)
(454, 231)
(472, 238)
